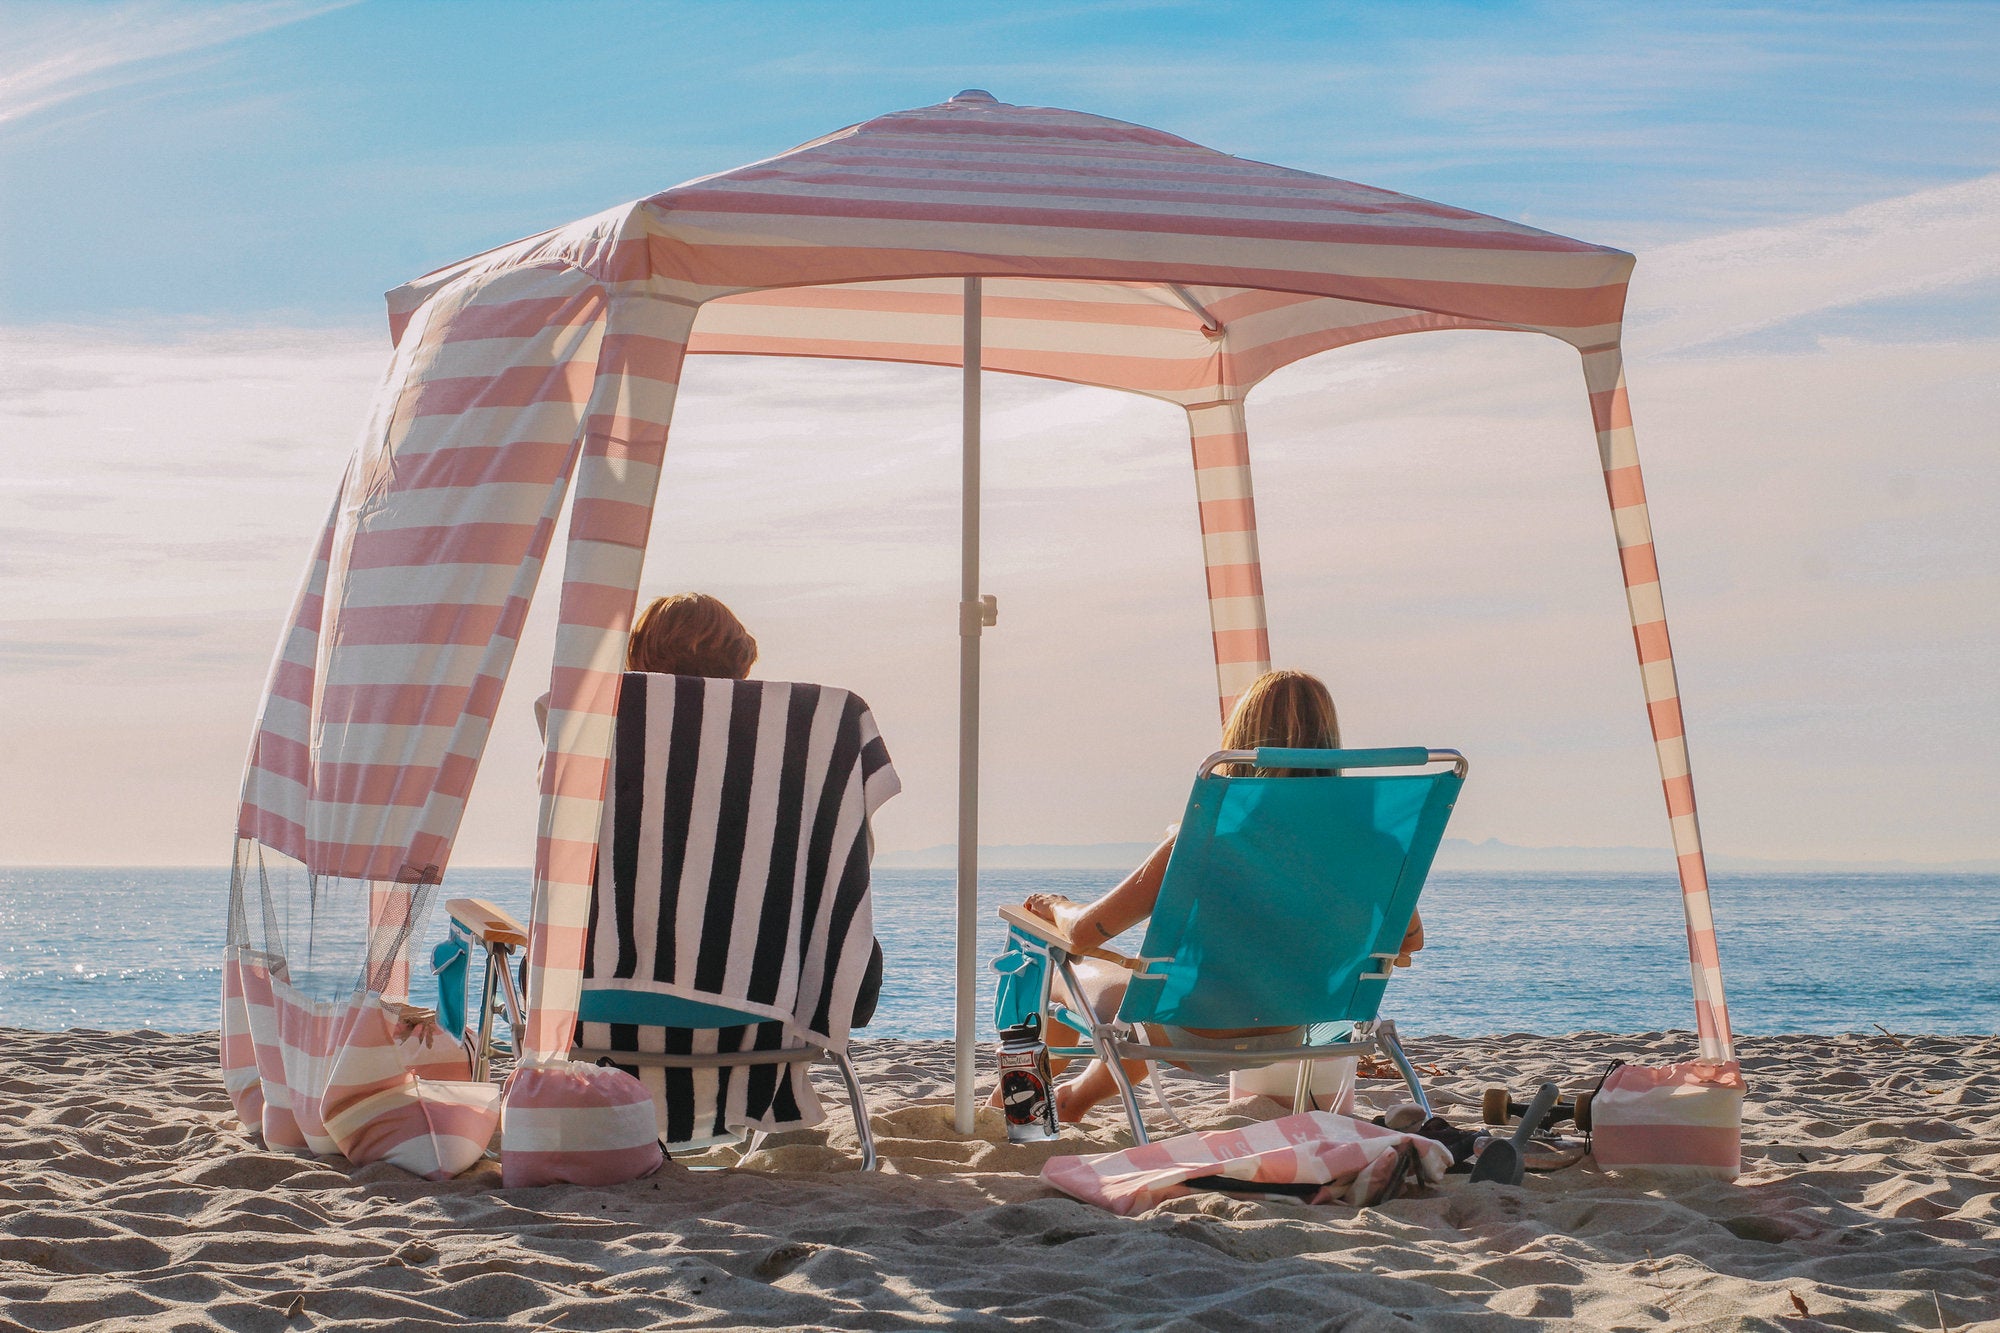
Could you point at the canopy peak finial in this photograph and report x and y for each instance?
(976, 95)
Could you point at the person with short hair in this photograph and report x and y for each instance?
(685, 634)
(690, 634)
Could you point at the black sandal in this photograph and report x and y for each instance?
(1404, 1176)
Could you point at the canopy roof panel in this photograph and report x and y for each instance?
(1115, 254)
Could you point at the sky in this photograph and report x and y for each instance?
(201, 205)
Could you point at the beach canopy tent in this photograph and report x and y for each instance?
(974, 233)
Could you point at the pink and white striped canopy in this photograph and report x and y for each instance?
(1114, 255)
(1110, 255)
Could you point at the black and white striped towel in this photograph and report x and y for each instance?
(732, 869)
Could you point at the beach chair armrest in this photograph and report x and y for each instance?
(1046, 931)
(1387, 961)
(489, 924)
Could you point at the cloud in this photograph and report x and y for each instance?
(1700, 292)
(169, 471)
(76, 51)
(137, 644)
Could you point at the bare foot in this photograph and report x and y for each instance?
(1067, 1110)
(1075, 1098)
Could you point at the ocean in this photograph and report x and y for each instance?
(1508, 952)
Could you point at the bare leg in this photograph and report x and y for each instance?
(1105, 985)
(1075, 1098)
(1056, 1034)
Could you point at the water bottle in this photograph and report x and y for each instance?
(1027, 1089)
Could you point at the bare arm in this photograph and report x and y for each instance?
(1117, 911)
(1413, 940)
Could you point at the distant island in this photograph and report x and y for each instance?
(1455, 854)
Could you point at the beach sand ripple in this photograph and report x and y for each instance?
(130, 1199)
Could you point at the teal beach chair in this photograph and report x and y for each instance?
(1284, 905)
(478, 924)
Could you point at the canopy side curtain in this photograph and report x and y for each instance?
(366, 748)
(1618, 451)
(379, 705)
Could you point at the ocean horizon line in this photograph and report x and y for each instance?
(1454, 855)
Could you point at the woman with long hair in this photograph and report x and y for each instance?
(1281, 709)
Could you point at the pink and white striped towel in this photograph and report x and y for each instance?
(1350, 1158)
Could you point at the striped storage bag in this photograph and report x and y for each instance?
(1685, 1117)
(576, 1124)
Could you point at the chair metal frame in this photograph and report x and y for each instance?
(1114, 1041)
(499, 934)
(857, 1100)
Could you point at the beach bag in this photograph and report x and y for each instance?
(1685, 1117)
(373, 1109)
(576, 1124)
(1334, 1157)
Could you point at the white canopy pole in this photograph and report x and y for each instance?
(972, 617)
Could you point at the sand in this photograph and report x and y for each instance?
(130, 1199)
